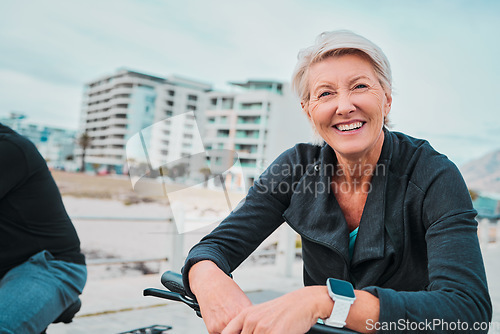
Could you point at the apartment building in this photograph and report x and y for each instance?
(118, 106)
(257, 121)
(55, 144)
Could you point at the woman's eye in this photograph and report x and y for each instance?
(325, 94)
(360, 86)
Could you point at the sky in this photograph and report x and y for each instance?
(444, 54)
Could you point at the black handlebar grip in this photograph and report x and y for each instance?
(173, 281)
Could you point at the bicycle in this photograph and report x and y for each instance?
(68, 314)
(173, 282)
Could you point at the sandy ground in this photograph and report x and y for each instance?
(142, 235)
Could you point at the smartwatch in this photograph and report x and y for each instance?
(342, 294)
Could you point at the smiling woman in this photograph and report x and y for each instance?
(346, 100)
(386, 221)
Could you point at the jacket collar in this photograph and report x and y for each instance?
(315, 213)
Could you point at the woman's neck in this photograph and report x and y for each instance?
(357, 171)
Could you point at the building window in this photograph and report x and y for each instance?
(251, 106)
(252, 163)
(247, 134)
(171, 93)
(222, 133)
(192, 97)
(227, 103)
(248, 120)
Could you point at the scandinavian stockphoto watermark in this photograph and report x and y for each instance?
(431, 325)
(319, 178)
(181, 172)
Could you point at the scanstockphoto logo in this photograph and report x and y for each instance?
(155, 166)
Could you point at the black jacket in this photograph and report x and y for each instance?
(32, 214)
(416, 250)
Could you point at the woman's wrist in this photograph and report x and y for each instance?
(200, 272)
(322, 301)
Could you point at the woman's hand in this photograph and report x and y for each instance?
(219, 297)
(295, 312)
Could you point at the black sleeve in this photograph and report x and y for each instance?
(458, 292)
(253, 220)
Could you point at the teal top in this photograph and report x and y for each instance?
(352, 241)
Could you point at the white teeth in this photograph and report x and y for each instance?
(348, 127)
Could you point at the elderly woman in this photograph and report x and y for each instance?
(385, 220)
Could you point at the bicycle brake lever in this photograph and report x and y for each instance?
(172, 296)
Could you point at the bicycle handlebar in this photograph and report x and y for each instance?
(173, 282)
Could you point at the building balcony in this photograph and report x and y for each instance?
(248, 126)
(120, 100)
(123, 81)
(115, 131)
(246, 141)
(121, 91)
(113, 141)
(115, 110)
(95, 133)
(100, 97)
(251, 112)
(99, 106)
(100, 88)
(110, 122)
(247, 134)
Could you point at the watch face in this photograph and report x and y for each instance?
(341, 288)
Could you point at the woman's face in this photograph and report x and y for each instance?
(347, 104)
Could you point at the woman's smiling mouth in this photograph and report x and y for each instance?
(349, 127)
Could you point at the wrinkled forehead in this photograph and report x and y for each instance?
(341, 68)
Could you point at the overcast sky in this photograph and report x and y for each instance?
(444, 54)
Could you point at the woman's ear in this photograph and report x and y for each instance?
(388, 103)
(305, 108)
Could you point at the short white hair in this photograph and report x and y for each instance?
(337, 43)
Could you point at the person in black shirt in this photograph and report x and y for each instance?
(42, 270)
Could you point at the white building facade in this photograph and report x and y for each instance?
(118, 106)
(168, 120)
(258, 121)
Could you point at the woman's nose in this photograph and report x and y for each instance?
(345, 105)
